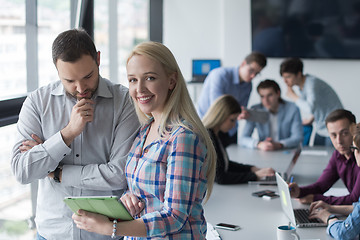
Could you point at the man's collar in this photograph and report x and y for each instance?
(59, 90)
(280, 106)
(343, 158)
(236, 76)
(103, 89)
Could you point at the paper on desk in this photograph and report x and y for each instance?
(335, 191)
(314, 152)
(211, 233)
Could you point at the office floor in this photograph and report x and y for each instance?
(14, 221)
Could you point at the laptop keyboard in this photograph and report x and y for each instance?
(302, 216)
(270, 178)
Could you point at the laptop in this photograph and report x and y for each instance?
(271, 180)
(298, 217)
(201, 68)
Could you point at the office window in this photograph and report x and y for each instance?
(53, 18)
(15, 204)
(101, 34)
(12, 48)
(9, 187)
(132, 28)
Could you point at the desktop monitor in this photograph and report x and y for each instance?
(328, 29)
(201, 68)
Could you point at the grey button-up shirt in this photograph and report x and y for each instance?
(320, 99)
(92, 165)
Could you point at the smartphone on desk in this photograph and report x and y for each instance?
(227, 226)
(266, 194)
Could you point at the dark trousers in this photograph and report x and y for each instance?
(307, 130)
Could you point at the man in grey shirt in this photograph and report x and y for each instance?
(74, 136)
(316, 97)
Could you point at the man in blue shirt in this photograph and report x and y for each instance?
(235, 81)
(283, 128)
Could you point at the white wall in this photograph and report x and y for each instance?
(221, 29)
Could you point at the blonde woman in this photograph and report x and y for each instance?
(221, 117)
(171, 166)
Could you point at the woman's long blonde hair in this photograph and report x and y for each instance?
(220, 110)
(178, 106)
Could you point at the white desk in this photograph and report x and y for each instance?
(257, 217)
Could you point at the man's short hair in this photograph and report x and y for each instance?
(69, 46)
(257, 57)
(291, 65)
(269, 83)
(339, 114)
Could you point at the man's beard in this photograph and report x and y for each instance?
(89, 96)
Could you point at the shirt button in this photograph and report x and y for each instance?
(146, 150)
(77, 155)
(346, 225)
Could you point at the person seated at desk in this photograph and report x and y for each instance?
(282, 130)
(342, 165)
(222, 116)
(350, 227)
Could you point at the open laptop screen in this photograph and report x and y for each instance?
(292, 163)
(201, 68)
(285, 198)
(287, 207)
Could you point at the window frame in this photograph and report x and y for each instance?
(10, 107)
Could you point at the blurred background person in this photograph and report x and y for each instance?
(283, 128)
(222, 116)
(236, 81)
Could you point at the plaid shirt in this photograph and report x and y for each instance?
(170, 176)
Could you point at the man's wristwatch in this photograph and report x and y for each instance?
(332, 216)
(57, 174)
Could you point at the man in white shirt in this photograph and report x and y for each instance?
(73, 136)
(315, 98)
